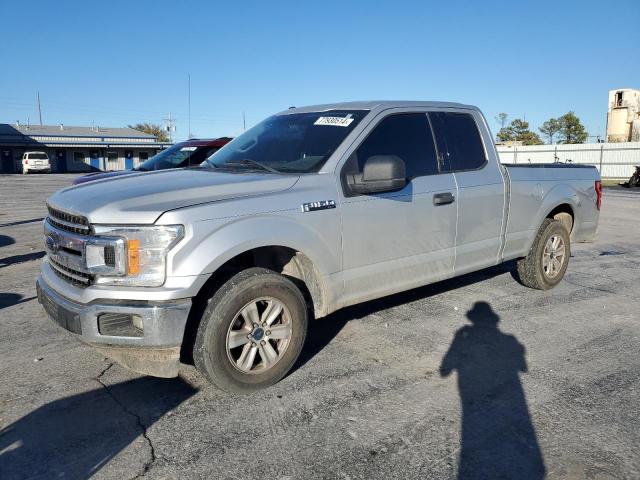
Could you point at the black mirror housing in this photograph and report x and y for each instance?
(381, 173)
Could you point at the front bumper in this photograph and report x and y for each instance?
(156, 352)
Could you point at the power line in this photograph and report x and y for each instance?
(97, 109)
(170, 126)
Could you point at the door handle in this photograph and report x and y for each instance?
(443, 198)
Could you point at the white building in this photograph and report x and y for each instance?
(623, 117)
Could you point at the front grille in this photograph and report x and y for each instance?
(74, 277)
(69, 222)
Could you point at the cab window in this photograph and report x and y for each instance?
(458, 139)
(406, 135)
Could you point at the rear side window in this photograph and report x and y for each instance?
(407, 136)
(458, 139)
(201, 154)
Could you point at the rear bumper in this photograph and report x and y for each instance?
(156, 349)
(36, 168)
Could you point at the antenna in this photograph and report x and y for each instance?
(244, 122)
(189, 105)
(39, 109)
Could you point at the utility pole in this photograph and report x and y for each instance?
(170, 126)
(39, 109)
(189, 105)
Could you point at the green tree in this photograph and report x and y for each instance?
(518, 130)
(152, 129)
(505, 135)
(571, 129)
(550, 128)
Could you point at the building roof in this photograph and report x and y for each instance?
(70, 131)
(78, 137)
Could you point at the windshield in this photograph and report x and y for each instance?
(298, 142)
(178, 156)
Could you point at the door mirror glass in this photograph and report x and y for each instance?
(381, 173)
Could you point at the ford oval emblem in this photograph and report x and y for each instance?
(52, 244)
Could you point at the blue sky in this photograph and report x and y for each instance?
(119, 62)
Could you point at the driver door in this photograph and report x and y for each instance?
(398, 240)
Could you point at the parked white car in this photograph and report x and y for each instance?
(35, 162)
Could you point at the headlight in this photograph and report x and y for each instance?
(131, 256)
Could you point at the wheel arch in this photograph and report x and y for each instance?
(288, 261)
(559, 201)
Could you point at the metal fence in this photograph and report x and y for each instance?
(613, 160)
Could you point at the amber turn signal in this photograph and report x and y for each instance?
(133, 257)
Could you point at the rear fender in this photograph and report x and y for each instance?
(561, 194)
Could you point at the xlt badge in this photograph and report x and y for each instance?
(320, 205)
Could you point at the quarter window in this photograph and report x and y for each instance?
(407, 136)
(458, 139)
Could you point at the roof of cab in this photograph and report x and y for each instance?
(374, 105)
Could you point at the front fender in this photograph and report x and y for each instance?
(212, 243)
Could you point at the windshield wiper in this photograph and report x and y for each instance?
(248, 161)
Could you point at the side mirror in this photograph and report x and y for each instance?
(381, 173)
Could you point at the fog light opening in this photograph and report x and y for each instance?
(120, 325)
(137, 322)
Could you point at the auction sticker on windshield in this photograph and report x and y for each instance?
(334, 121)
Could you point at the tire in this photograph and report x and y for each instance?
(223, 322)
(532, 270)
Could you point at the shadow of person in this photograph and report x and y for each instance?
(498, 440)
(76, 436)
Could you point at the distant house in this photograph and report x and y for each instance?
(76, 149)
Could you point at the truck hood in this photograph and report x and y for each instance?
(142, 198)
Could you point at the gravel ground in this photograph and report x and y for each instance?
(476, 377)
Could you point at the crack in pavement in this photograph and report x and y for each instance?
(143, 428)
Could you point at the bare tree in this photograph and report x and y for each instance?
(501, 118)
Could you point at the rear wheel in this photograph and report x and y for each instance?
(547, 261)
(252, 331)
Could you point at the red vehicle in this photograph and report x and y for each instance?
(190, 153)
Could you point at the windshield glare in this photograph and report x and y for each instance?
(296, 143)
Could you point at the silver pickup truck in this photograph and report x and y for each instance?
(310, 211)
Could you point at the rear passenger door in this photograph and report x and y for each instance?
(397, 240)
(481, 190)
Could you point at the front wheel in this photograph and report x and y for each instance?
(547, 261)
(252, 331)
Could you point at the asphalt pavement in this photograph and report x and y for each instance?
(475, 377)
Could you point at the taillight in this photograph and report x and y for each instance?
(598, 194)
